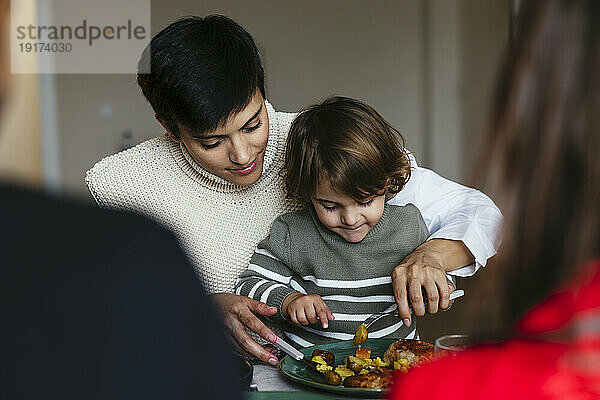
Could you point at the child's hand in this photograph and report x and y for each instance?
(305, 309)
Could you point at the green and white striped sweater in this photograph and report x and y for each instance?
(354, 279)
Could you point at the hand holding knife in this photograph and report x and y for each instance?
(295, 354)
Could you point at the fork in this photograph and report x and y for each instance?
(377, 316)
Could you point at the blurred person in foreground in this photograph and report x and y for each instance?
(541, 305)
(88, 311)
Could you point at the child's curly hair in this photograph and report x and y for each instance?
(347, 143)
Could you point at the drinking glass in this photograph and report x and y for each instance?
(450, 345)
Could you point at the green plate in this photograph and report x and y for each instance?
(299, 372)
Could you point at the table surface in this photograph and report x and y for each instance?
(269, 379)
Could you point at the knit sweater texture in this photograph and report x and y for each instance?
(218, 223)
(354, 279)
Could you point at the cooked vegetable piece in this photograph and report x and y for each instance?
(401, 364)
(361, 335)
(380, 363)
(332, 378)
(363, 353)
(363, 372)
(319, 360)
(355, 364)
(324, 367)
(344, 372)
(328, 356)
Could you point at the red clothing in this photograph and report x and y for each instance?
(525, 368)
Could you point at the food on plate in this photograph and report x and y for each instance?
(332, 378)
(361, 371)
(363, 353)
(321, 364)
(318, 360)
(361, 335)
(356, 364)
(377, 378)
(328, 356)
(416, 352)
(344, 372)
(402, 365)
(378, 362)
(324, 368)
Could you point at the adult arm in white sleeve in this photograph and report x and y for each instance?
(455, 212)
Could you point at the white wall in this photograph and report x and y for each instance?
(442, 110)
(483, 36)
(93, 112)
(401, 56)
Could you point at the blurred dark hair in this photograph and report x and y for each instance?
(202, 71)
(347, 143)
(541, 158)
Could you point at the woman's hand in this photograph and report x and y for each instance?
(305, 309)
(238, 314)
(424, 270)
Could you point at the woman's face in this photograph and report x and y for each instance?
(236, 150)
(345, 216)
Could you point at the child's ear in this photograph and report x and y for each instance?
(391, 190)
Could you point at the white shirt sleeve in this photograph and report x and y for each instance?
(452, 211)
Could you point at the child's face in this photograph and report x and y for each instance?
(344, 215)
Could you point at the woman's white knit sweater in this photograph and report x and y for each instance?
(218, 223)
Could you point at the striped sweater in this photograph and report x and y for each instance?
(354, 279)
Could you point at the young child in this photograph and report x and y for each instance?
(328, 267)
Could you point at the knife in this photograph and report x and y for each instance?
(295, 354)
